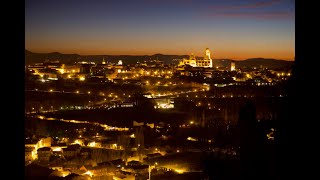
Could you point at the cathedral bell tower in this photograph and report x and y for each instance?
(207, 54)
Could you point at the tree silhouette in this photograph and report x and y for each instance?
(253, 147)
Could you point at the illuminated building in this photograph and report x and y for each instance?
(45, 142)
(126, 104)
(52, 64)
(84, 152)
(71, 151)
(30, 154)
(233, 66)
(44, 153)
(103, 62)
(72, 68)
(164, 103)
(47, 74)
(36, 67)
(194, 62)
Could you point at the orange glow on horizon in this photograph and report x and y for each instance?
(286, 55)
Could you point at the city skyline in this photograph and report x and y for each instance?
(231, 29)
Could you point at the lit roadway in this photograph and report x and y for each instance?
(115, 97)
(175, 94)
(53, 91)
(106, 127)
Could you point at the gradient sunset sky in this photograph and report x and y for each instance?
(235, 29)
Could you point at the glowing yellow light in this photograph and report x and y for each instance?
(89, 92)
(34, 154)
(132, 136)
(57, 149)
(179, 171)
(191, 139)
(191, 122)
(89, 173)
(77, 142)
(51, 90)
(82, 78)
(92, 144)
(69, 76)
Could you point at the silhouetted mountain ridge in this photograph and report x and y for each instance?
(32, 57)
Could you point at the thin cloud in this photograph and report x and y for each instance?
(247, 6)
(262, 15)
(250, 11)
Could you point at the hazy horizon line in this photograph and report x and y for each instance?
(286, 59)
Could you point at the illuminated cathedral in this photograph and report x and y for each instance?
(192, 61)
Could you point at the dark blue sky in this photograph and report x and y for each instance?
(232, 29)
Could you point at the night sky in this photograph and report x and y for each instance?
(237, 29)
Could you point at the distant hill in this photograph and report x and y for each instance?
(31, 57)
(270, 63)
(254, 62)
